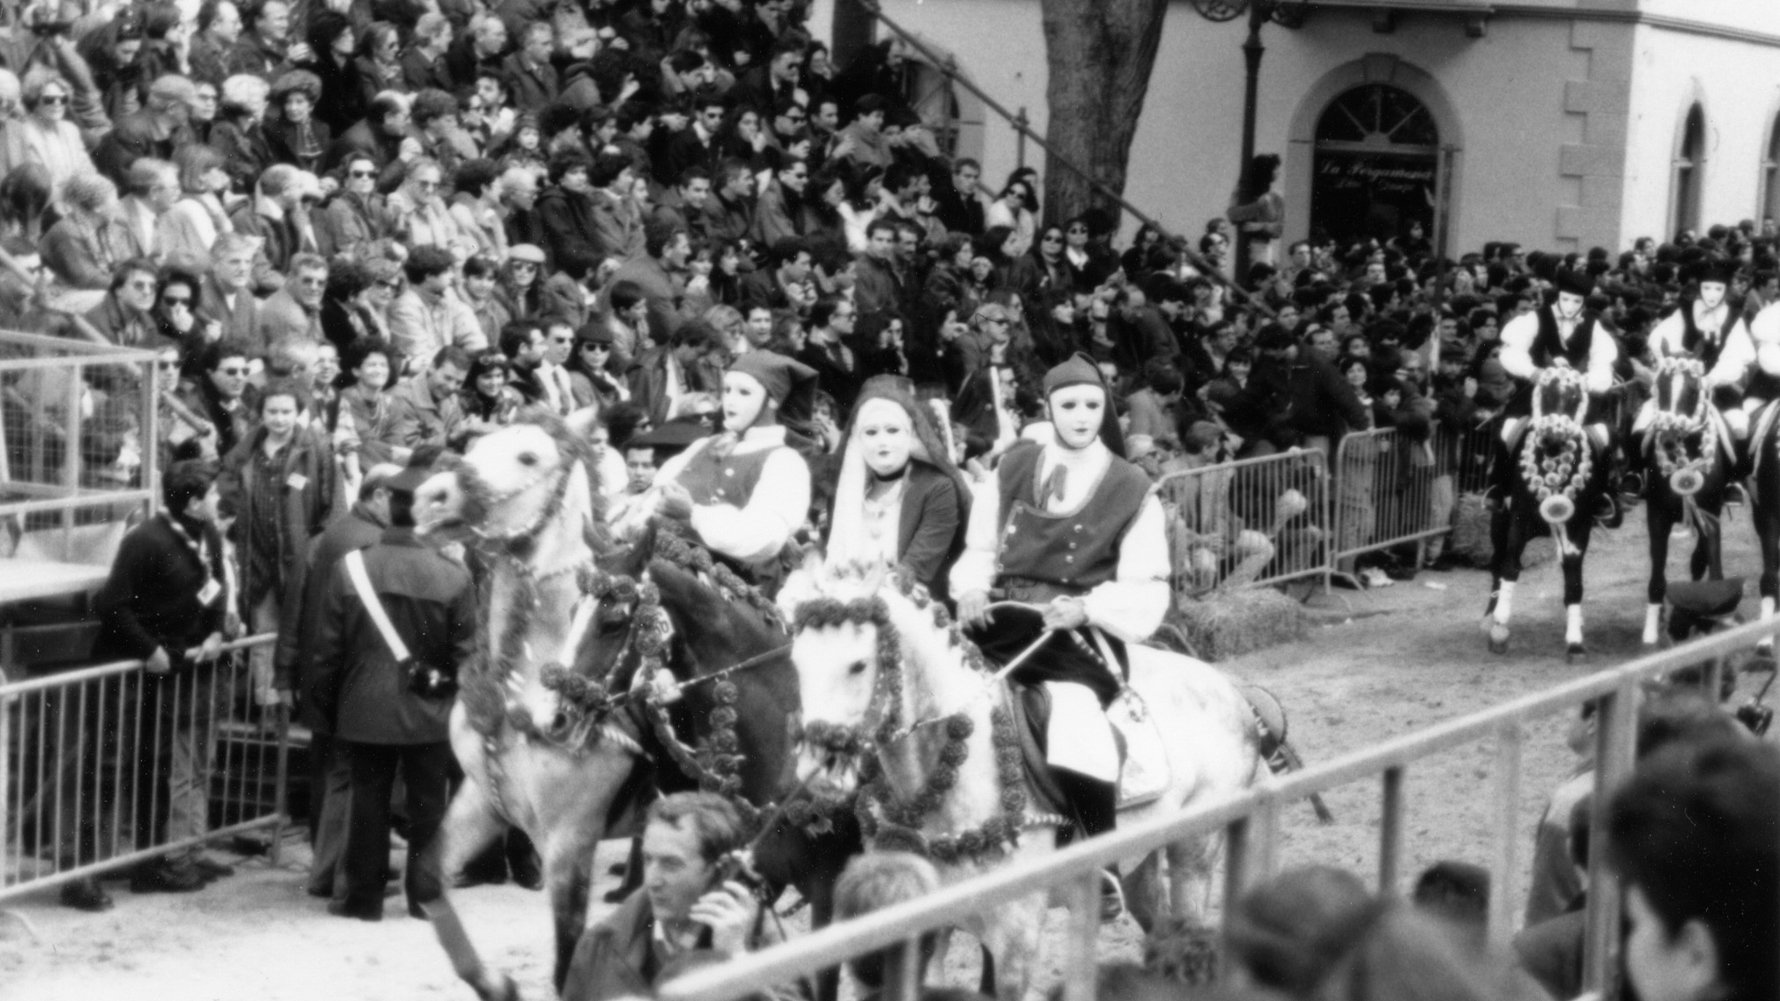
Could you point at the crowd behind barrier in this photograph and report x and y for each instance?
(108, 766)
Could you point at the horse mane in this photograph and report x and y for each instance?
(574, 446)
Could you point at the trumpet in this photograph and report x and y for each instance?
(1557, 509)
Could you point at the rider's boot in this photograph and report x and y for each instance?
(1096, 807)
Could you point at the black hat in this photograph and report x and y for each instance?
(1575, 282)
(1720, 270)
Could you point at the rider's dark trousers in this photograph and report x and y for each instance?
(426, 771)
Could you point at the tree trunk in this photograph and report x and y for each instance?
(1100, 53)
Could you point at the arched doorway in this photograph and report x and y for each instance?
(1376, 165)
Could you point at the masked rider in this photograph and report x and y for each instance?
(1069, 526)
(1561, 334)
(744, 492)
(1710, 330)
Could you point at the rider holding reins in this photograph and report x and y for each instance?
(1067, 525)
(1561, 334)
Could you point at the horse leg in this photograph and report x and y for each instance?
(568, 875)
(1012, 936)
(1658, 525)
(1144, 896)
(1574, 651)
(1190, 865)
(470, 825)
(1506, 541)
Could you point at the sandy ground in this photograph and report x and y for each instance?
(1381, 663)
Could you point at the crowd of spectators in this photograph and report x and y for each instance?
(361, 234)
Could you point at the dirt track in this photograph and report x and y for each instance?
(1385, 662)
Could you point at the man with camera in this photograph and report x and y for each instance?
(396, 621)
(697, 900)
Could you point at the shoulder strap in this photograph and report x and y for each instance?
(361, 582)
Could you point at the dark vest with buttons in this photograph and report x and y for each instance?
(1042, 554)
(1549, 345)
(1694, 340)
(729, 480)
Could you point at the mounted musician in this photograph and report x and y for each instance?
(1068, 525)
(1564, 334)
(745, 492)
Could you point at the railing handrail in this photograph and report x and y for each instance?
(948, 65)
(62, 679)
(896, 925)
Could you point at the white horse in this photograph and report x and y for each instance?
(525, 500)
(893, 695)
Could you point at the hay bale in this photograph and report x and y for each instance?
(1226, 624)
(1471, 537)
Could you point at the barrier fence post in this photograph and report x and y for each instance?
(1615, 733)
(1390, 831)
(1080, 958)
(907, 985)
(6, 835)
(1236, 863)
(1506, 822)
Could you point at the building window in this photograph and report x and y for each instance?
(1689, 173)
(1376, 171)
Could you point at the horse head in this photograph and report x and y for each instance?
(1680, 393)
(1560, 392)
(511, 484)
(868, 645)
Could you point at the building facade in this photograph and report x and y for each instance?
(1561, 124)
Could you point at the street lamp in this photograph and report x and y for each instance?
(1286, 13)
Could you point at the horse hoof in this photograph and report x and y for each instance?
(1498, 638)
(1576, 653)
(503, 989)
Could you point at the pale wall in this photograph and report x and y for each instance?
(1567, 130)
(1739, 90)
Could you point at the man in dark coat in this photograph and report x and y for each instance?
(164, 604)
(330, 777)
(365, 698)
(1309, 403)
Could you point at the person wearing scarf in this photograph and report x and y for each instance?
(745, 492)
(899, 498)
(1068, 527)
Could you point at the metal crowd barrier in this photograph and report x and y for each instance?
(1389, 490)
(1248, 522)
(106, 766)
(1251, 824)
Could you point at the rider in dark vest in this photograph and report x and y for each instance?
(1710, 329)
(1071, 527)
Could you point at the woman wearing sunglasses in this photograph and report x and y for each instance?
(50, 139)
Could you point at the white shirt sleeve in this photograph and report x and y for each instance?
(1603, 352)
(1764, 333)
(780, 502)
(1735, 357)
(1131, 605)
(1517, 346)
(975, 569)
